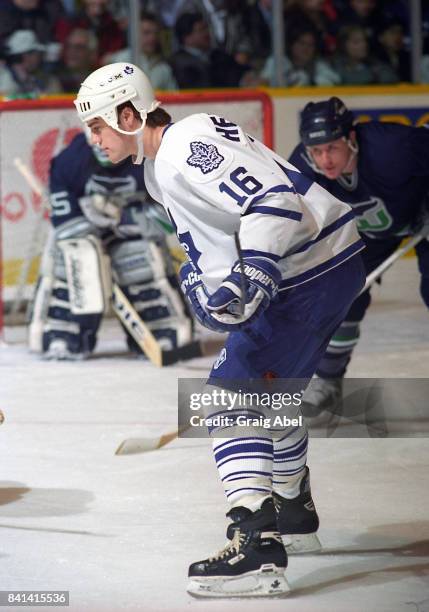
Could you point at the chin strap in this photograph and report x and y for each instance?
(354, 148)
(138, 159)
(349, 180)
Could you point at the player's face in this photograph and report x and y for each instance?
(115, 145)
(331, 158)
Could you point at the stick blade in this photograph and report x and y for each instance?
(134, 446)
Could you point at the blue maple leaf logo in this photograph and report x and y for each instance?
(206, 157)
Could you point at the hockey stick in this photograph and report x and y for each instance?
(135, 326)
(387, 263)
(141, 445)
(150, 346)
(35, 239)
(242, 273)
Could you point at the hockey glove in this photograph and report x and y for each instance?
(193, 288)
(261, 279)
(100, 210)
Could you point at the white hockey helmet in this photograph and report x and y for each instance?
(106, 88)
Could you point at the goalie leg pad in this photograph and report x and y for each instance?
(137, 261)
(143, 270)
(67, 335)
(87, 275)
(54, 329)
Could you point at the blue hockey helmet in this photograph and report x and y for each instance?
(323, 122)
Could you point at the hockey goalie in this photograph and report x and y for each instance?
(105, 228)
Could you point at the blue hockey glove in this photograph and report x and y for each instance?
(262, 279)
(193, 288)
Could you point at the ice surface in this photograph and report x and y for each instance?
(119, 532)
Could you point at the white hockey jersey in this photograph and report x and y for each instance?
(213, 180)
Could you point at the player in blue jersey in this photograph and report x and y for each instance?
(108, 206)
(299, 272)
(382, 171)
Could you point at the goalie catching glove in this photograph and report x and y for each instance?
(113, 213)
(100, 210)
(222, 311)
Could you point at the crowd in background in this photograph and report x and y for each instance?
(50, 46)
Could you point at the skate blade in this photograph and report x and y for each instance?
(262, 583)
(301, 543)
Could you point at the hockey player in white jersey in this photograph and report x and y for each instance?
(302, 270)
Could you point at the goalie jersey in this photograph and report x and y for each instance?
(76, 172)
(391, 180)
(213, 180)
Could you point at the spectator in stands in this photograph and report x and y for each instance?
(318, 15)
(213, 13)
(95, 16)
(353, 61)
(258, 21)
(40, 16)
(150, 60)
(79, 59)
(167, 11)
(302, 65)
(23, 73)
(391, 49)
(225, 19)
(196, 64)
(191, 63)
(364, 13)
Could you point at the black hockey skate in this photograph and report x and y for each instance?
(297, 519)
(253, 562)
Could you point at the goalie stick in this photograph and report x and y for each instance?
(136, 326)
(36, 236)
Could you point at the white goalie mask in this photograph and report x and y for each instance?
(106, 88)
